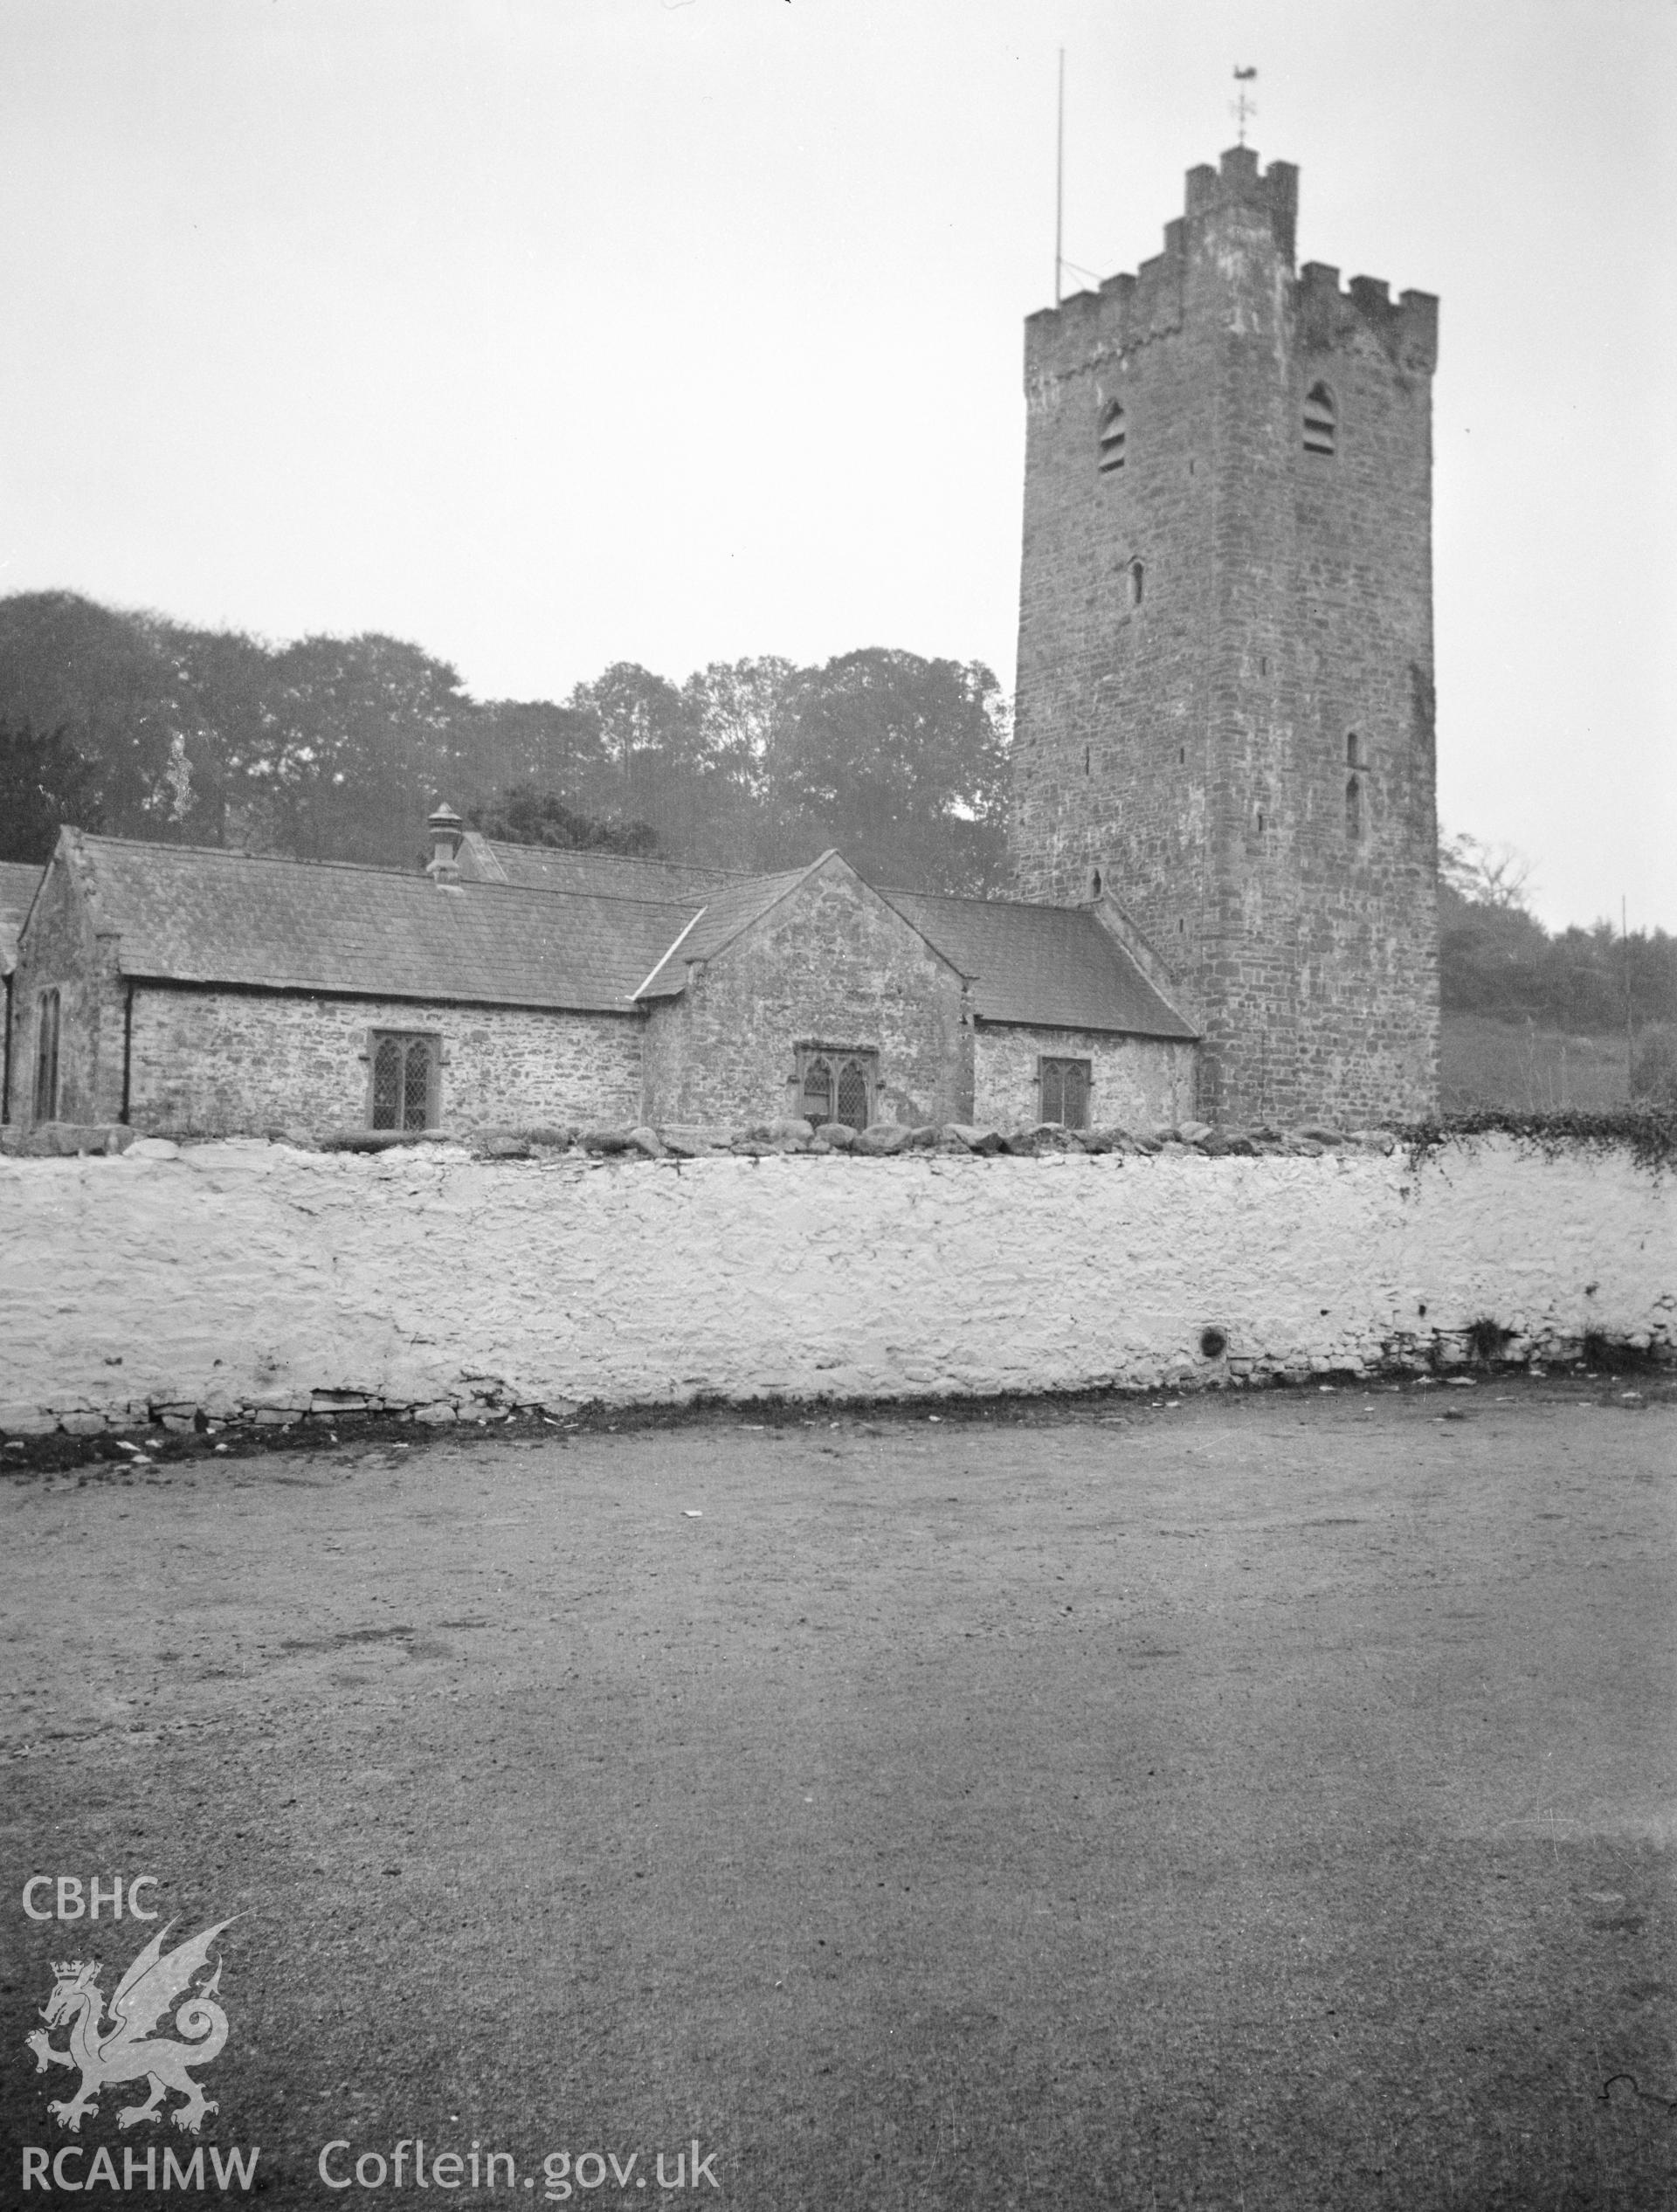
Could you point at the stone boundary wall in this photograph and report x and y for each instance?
(253, 1280)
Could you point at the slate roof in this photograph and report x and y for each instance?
(724, 916)
(1042, 967)
(581, 932)
(194, 914)
(19, 880)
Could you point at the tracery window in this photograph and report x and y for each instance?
(1321, 420)
(816, 1102)
(838, 1084)
(855, 1108)
(406, 1084)
(1109, 452)
(47, 1056)
(1064, 1087)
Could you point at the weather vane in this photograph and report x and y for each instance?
(1240, 106)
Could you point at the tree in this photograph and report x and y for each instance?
(531, 744)
(45, 783)
(364, 732)
(527, 816)
(662, 768)
(1483, 874)
(223, 681)
(104, 680)
(649, 743)
(903, 763)
(1494, 956)
(337, 748)
(742, 712)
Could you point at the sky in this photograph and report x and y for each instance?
(552, 333)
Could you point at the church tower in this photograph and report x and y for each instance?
(1224, 714)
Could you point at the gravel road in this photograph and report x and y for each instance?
(1258, 1801)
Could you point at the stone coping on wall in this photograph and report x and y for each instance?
(1649, 1133)
(884, 1140)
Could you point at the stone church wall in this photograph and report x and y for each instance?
(61, 951)
(1135, 1081)
(834, 965)
(421, 1278)
(226, 1062)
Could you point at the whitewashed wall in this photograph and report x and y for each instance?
(244, 1276)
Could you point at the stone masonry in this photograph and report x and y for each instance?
(176, 1060)
(1136, 1082)
(221, 1062)
(832, 965)
(1225, 648)
(64, 951)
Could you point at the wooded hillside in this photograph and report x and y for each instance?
(336, 748)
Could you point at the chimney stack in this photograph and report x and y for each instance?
(447, 831)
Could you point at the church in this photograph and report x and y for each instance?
(1223, 827)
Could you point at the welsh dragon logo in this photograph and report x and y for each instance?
(127, 2050)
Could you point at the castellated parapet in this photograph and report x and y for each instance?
(1225, 647)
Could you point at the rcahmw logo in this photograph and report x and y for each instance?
(124, 2048)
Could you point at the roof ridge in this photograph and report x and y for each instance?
(735, 876)
(238, 852)
(416, 876)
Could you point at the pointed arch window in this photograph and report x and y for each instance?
(838, 1084)
(1063, 1091)
(405, 1080)
(1353, 809)
(1321, 420)
(815, 1101)
(1109, 452)
(855, 1103)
